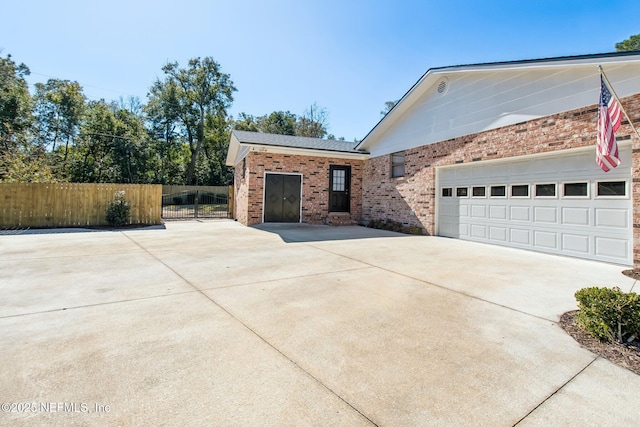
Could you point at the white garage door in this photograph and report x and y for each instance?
(562, 204)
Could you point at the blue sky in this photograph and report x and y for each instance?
(347, 56)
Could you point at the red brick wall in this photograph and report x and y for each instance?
(241, 193)
(411, 199)
(315, 187)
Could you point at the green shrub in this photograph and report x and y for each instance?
(390, 225)
(118, 210)
(608, 313)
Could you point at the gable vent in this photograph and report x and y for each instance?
(443, 86)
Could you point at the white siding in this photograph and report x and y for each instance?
(481, 100)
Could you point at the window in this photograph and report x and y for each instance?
(462, 192)
(520, 190)
(447, 192)
(397, 164)
(545, 190)
(338, 183)
(576, 189)
(498, 191)
(478, 191)
(612, 188)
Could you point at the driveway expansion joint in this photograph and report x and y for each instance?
(438, 286)
(75, 307)
(300, 276)
(263, 339)
(556, 391)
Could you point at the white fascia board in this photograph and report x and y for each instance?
(233, 151)
(536, 64)
(238, 151)
(303, 152)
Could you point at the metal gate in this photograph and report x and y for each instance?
(193, 202)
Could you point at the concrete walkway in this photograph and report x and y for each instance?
(214, 323)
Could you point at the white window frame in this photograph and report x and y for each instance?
(528, 196)
(535, 196)
(462, 197)
(392, 164)
(446, 188)
(626, 189)
(479, 197)
(506, 191)
(588, 196)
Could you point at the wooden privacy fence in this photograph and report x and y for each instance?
(65, 205)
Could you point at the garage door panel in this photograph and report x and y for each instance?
(478, 211)
(520, 213)
(545, 214)
(521, 168)
(464, 210)
(498, 233)
(463, 229)
(498, 212)
(545, 239)
(462, 174)
(611, 247)
(479, 172)
(449, 210)
(616, 218)
(575, 216)
(575, 243)
(478, 231)
(520, 236)
(449, 229)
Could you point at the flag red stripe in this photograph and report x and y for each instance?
(609, 120)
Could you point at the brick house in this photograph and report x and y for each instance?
(499, 153)
(282, 178)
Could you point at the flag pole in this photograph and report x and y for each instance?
(619, 102)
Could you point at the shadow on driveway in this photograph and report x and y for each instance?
(298, 232)
(23, 231)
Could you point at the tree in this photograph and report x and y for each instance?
(313, 122)
(217, 134)
(114, 146)
(131, 103)
(15, 104)
(279, 122)
(186, 96)
(20, 159)
(164, 121)
(630, 44)
(246, 122)
(388, 106)
(59, 108)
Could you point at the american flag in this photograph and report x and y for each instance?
(609, 120)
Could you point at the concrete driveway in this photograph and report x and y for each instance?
(214, 323)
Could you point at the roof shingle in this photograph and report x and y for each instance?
(271, 139)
